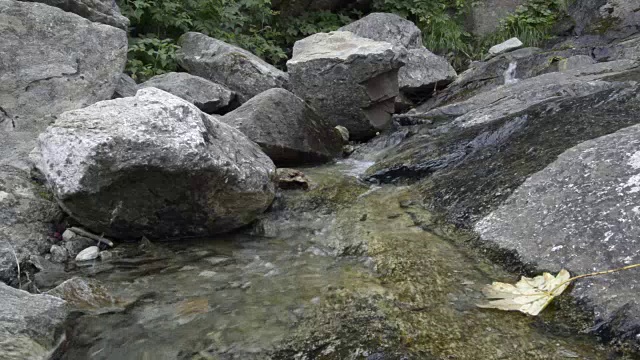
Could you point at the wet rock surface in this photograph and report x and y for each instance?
(160, 168)
(228, 65)
(208, 96)
(82, 65)
(30, 325)
(580, 213)
(289, 131)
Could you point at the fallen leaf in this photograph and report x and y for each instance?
(529, 295)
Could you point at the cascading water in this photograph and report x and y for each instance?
(510, 74)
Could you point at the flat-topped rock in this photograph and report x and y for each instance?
(350, 80)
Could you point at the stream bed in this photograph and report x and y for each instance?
(345, 270)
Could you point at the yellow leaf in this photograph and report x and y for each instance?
(529, 295)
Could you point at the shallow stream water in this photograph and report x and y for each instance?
(371, 276)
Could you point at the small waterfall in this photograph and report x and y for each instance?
(510, 74)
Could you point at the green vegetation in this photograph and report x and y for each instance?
(532, 23)
(270, 34)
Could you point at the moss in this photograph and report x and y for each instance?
(603, 26)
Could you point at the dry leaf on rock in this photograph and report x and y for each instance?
(529, 295)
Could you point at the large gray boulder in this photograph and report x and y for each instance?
(30, 325)
(288, 130)
(206, 95)
(423, 71)
(387, 27)
(102, 11)
(52, 61)
(27, 210)
(582, 213)
(154, 165)
(350, 80)
(229, 65)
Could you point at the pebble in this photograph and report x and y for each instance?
(90, 253)
(68, 235)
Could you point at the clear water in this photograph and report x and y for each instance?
(409, 286)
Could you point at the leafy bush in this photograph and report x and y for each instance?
(150, 56)
(255, 26)
(441, 23)
(532, 23)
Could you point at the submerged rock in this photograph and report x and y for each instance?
(87, 295)
(154, 165)
(288, 130)
(229, 65)
(30, 325)
(52, 61)
(581, 213)
(102, 11)
(208, 96)
(350, 80)
(292, 179)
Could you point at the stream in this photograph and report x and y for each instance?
(346, 270)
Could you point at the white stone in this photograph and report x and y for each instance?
(68, 235)
(90, 253)
(511, 44)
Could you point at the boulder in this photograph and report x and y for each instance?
(574, 62)
(506, 46)
(27, 210)
(154, 165)
(581, 213)
(206, 95)
(30, 325)
(350, 80)
(126, 87)
(228, 65)
(613, 19)
(423, 71)
(389, 28)
(82, 66)
(288, 130)
(101, 11)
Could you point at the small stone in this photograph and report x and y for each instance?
(344, 133)
(207, 273)
(58, 253)
(363, 217)
(77, 244)
(68, 235)
(90, 253)
(511, 44)
(292, 179)
(106, 255)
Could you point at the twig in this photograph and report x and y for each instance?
(13, 251)
(97, 238)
